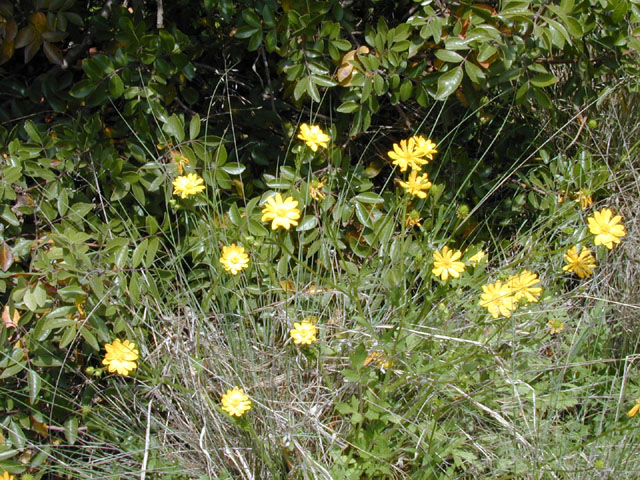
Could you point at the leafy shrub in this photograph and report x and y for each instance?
(104, 110)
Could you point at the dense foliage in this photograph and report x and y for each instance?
(104, 104)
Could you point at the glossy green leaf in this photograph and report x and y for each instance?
(449, 56)
(448, 83)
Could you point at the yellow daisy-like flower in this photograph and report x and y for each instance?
(234, 258)
(498, 299)
(121, 357)
(584, 198)
(416, 185)
(379, 358)
(313, 136)
(425, 146)
(189, 184)
(635, 409)
(406, 154)
(180, 160)
(445, 263)
(581, 264)
(235, 402)
(304, 333)
(281, 213)
(555, 326)
(477, 258)
(522, 286)
(6, 476)
(607, 230)
(315, 190)
(413, 219)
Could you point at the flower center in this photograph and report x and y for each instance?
(281, 212)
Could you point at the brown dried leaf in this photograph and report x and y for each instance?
(6, 257)
(7, 320)
(39, 427)
(344, 72)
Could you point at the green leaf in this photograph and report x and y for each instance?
(448, 82)
(406, 89)
(116, 86)
(348, 107)
(522, 93)
(194, 127)
(175, 127)
(255, 41)
(138, 252)
(312, 90)
(83, 88)
(369, 197)
(324, 81)
(35, 384)
(543, 80)
(363, 215)
(71, 430)
(474, 72)
(308, 222)
(152, 249)
(246, 31)
(249, 16)
(542, 98)
(301, 88)
(257, 229)
(234, 168)
(30, 301)
(449, 56)
(32, 131)
(90, 338)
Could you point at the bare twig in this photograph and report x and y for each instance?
(159, 14)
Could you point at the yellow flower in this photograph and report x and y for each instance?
(497, 299)
(555, 326)
(234, 258)
(445, 264)
(635, 409)
(406, 155)
(415, 185)
(186, 185)
(235, 402)
(522, 286)
(313, 136)
(315, 190)
(121, 357)
(304, 333)
(581, 264)
(180, 160)
(379, 358)
(6, 476)
(413, 219)
(477, 257)
(425, 146)
(584, 198)
(281, 213)
(606, 229)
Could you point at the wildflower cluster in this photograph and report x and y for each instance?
(607, 229)
(503, 298)
(414, 152)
